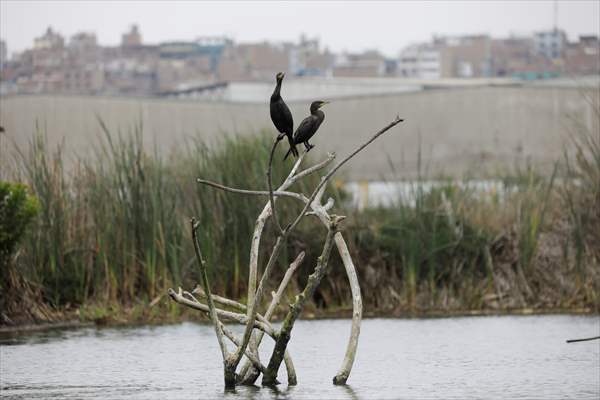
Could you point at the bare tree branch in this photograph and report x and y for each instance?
(204, 277)
(297, 196)
(221, 300)
(344, 372)
(583, 340)
(338, 166)
(235, 358)
(283, 284)
(270, 185)
(253, 359)
(297, 165)
(229, 303)
(291, 179)
(313, 169)
(248, 376)
(283, 338)
(228, 315)
(348, 361)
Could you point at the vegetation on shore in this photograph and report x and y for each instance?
(108, 236)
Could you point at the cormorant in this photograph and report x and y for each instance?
(308, 127)
(281, 115)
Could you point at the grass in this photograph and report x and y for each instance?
(115, 227)
(581, 199)
(431, 242)
(112, 233)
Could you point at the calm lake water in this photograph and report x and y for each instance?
(501, 357)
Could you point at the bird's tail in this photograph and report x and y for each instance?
(292, 149)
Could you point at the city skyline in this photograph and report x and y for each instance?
(21, 22)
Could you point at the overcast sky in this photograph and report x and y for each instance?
(352, 26)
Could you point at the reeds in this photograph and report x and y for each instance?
(114, 226)
(112, 229)
(581, 199)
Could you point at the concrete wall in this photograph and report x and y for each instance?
(459, 131)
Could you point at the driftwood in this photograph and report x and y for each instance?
(256, 325)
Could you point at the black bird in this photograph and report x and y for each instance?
(309, 125)
(281, 115)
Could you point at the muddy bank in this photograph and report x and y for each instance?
(142, 315)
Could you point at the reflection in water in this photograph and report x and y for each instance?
(449, 358)
(350, 392)
(281, 392)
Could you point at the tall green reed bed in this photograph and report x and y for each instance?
(456, 248)
(114, 227)
(581, 199)
(112, 230)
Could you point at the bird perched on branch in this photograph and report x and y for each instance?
(281, 115)
(309, 125)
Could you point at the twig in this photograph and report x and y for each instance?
(291, 179)
(283, 284)
(314, 168)
(270, 185)
(583, 340)
(338, 166)
(231, 316)
(297, 196)
(263, 324)
(296, 165)
(228, 303)
(204, 278)
(221, 300)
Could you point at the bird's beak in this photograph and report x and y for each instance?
(323, 103)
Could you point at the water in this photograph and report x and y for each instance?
(513, 357)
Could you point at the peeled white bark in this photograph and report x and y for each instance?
(344, 372)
